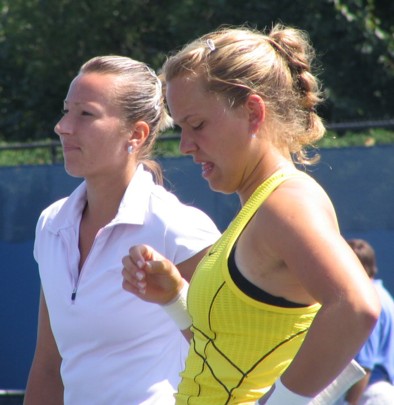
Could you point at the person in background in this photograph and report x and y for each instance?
(273, 303)
(97, 344)
(377, 354)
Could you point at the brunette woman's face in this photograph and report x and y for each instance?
(212, 132)
(91, 130)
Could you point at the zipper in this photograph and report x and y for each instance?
(65, 236)
(75, 289)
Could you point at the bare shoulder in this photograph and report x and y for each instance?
(275, 249)
(299, 199)
(297, 217)
(293, 248)
(298, 205)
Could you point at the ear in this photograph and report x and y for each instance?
(256, 110)
(138, 134)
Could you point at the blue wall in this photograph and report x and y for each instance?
(359, 180)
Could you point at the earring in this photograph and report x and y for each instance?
(130, 149)
(253, 136)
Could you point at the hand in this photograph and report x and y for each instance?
(150, 276)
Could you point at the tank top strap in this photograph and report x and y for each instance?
(260, 195)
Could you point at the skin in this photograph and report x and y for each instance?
(95, 139)
(355, 393)
(291, 248)
(45, 385)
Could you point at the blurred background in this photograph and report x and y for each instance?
(44, 42)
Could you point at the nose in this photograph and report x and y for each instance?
(63, 126)
(187, 144)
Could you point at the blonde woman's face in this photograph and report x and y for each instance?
(215, 135)
(91, 132)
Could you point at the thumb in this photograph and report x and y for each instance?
(141, 254)
(158, 266)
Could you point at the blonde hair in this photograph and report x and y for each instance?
(238, 62)
(139, 94)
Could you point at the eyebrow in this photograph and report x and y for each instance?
(75, 102)
(78, 103)
(184, 119)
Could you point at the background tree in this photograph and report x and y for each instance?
(43, 43)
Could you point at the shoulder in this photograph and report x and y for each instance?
(296, 218)
(50, 212)
(65, 208)
(186, 229)
(159, 201)
(167, 205)
(299, 200)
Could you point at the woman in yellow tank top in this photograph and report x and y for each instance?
(274, 302)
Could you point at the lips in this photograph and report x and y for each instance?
(69, 147)
(206, 168)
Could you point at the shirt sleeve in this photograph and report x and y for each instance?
(191, 232)
(188, 230)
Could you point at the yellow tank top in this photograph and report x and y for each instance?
(240, 345)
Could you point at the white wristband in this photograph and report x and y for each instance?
(177, 309)
(282, 395)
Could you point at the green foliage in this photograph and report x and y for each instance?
(168, 146)
(46, 151)
(43, 43)
(368, 138)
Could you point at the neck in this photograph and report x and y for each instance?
(267, 166)
(104, 197)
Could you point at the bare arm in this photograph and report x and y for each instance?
(301, 233)
(338, 331)
(354, 394)
(44, 384)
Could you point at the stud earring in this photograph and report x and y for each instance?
(130, 149)
(253, 136)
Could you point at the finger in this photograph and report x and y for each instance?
(139, 254)
(135, 289)
(132, 283)
(133, 274)
(128, 263)
(156, 267)
(131, 270)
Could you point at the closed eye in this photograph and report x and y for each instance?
(64, 111)
(199, 126)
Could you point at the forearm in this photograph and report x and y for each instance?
(44, 385)
(187, 334)
(354, 394)
(43, 388)
(177, 310)
(327, 348)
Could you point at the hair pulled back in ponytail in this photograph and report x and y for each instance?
(277, 65)
(139, 94)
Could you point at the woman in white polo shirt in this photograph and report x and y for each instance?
(98, 344)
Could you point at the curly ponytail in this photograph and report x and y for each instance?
(238, 62)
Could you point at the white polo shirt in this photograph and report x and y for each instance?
(116, 348)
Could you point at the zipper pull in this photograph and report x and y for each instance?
(74, 294)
